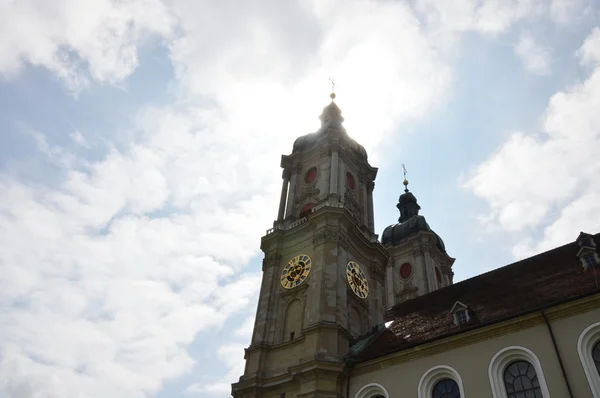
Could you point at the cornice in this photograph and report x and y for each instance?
(311, 329)
(270, 260)
(448, 343)
(296, 292)
(473, 336)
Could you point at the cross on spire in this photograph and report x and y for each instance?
(405, 182)
(332, 95)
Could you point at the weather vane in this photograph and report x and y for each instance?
(405, 182)
(332, 95)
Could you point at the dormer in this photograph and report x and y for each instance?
(587, 253)
(460, 311)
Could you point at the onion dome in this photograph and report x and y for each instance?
(410, 222)
(331, 117)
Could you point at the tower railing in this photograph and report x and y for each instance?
(287, 227)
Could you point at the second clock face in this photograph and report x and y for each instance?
(357, 280)
(296, 271)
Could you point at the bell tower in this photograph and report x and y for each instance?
(418, 263)
(323, 272)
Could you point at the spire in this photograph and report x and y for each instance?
(332, 95)
(332, 113)
(407, 202)
(405, 182)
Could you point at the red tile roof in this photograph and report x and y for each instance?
(544, 280)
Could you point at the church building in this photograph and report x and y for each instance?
(345, 314)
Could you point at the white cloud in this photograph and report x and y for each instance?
(535, 57)
(245, 330)
(121, 294)
(109, 276)
(232, 355)
(567, 11)
(386, 67)
(68, 36)
(490, 17)
(548, 182)
(80, 139)
(589, 52)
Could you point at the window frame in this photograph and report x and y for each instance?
(503, 358)
(586, 342)
(372, 390)
(460, 307)
(435, 374)
(516, 366)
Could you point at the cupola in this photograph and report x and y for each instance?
(410, 222)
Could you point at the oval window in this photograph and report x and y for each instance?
(310, 175)
(350, 182)
(438, 275)
(405, 270)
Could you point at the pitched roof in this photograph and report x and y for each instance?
(517, 289)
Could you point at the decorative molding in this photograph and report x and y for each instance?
(326, 235)
(357, 301)
(308, 192)
(377, 271)
(270, 260)
(331, 235)
(435, 374)
(350, 195)
(408, 292)
(372, 390)
(297, 292)
(503, 358)
(362, 177)
(585, 344)
(472, 336)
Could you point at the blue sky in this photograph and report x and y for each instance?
(139, 161)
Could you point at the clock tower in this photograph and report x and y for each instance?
(324, 270)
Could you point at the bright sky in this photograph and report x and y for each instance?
(139, 161)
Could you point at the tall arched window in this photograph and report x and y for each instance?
(292, 326)
(441, 381)
(372, 390)
(445, 388)
(588, 347)
(596, 356)
(516, 372)
(520, 380)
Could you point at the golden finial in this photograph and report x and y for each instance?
(405, 182)
(332, 95)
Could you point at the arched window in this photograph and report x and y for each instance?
(441, 381)
(596, 356)
(516, 372)
(588, 347)
(520, 380)
(372, 390)
(445, 388)
(354, 322)
(292, 326)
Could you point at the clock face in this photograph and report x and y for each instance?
(357, 280)
(296, 271)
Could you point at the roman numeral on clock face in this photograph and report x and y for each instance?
(296, 271)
